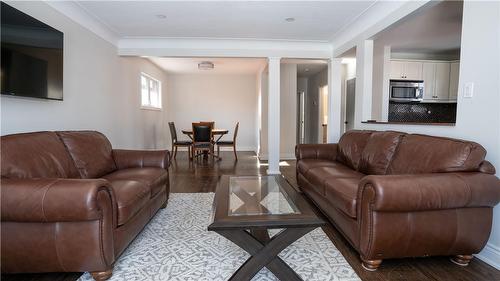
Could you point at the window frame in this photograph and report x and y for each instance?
(150, 106)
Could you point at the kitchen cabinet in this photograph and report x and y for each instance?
(436, 76)
(454, 74)
(429, 77)
(406, 70)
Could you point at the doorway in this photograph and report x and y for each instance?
(350, 100)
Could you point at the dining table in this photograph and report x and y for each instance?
(216, 132)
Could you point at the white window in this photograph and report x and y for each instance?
(150, 92)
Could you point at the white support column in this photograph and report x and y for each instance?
(334, 100)
(364, 71)
(273, 116)
(385, 83)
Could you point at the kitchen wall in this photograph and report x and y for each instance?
(223, 98)
(101, 90)
(478, 118)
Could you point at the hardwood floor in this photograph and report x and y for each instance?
(202, 176)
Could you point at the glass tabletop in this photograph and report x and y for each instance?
(258, 195)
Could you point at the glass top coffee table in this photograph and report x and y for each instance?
(246, 207)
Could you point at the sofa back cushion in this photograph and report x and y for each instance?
(378, 152)
(427, 154)
(350, 147)
(91, 152)
(36, 155)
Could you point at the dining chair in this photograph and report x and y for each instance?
(202, 139)
(176, 143)
(230, 143)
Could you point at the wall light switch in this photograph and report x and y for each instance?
(469, 90)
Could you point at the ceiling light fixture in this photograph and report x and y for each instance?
(290, 19)
(206, 65)
(161, 16)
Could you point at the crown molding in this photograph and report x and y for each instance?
(79, 15)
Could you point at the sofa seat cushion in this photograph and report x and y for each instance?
(342, 194)
(318, 176)
(131, 197)
(154, 178)
(304, 165)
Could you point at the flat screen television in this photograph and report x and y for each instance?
(31, 58)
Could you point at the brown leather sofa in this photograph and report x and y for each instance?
(394, 195)
(71, 203)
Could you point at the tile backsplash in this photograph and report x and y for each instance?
(423, 112)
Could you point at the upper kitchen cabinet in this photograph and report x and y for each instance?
(405, 70)
(436, 76)
(454, 73)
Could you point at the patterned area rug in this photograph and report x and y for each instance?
(176, 245)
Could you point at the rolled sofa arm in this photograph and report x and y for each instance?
(316, 151)
(141, 158)
(54, 200)
(406, 193)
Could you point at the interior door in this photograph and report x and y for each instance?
(349, 106)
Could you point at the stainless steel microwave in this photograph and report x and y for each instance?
(406, 91)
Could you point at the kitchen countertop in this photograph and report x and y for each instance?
(407, 123)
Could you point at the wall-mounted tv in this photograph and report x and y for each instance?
(32, 56)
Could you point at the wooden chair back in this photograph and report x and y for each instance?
(202, 132)
(173, 132)
(236, 131)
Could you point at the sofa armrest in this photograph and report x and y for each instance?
(316, 151)
(406, 193)
(55, 200)
(141, 158)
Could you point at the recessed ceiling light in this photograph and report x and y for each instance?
(290, 19)
(161, 16)
(206, 65)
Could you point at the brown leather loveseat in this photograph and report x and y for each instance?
(71, 203)
(393, 194)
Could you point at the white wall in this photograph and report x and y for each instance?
(101, 90)
(223, 98)
(145, 128)
(478, 119)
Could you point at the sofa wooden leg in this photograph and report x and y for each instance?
(370, 265)
(462, 260)
(102, 275)
(164, 205)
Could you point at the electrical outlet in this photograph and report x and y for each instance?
(468, 90)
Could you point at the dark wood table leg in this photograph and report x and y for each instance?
(265, 254)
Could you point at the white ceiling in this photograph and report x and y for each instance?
(314, 20)
(434, 28)
(222, 65)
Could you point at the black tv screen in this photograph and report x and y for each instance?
(32, 56)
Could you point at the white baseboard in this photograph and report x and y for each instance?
(490, 255)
